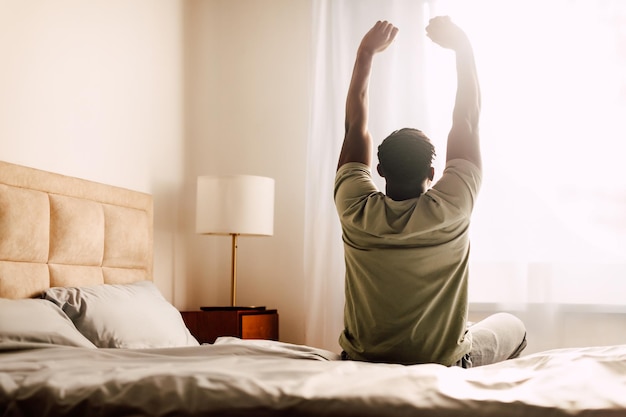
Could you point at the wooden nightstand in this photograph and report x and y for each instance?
(213, 322)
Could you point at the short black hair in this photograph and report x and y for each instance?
(406, 154)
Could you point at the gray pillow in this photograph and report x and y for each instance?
(37, 321)
(133, 316)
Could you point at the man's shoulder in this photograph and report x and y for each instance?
(352, 172)
(459, 184)
(468, 172)
(353, 182)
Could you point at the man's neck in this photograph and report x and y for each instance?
(403, 192)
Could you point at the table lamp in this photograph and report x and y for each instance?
(235, 205)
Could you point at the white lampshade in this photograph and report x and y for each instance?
(235, 204)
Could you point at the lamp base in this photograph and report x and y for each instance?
(233, 308)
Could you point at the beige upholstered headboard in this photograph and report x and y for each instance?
(57, 231)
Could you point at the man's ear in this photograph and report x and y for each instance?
(431, 175)
(380, 170)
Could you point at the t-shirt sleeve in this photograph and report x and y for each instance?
(353, 182)
(459, 185)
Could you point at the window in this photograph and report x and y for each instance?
(552, 211)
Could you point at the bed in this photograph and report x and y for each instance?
(85, 332)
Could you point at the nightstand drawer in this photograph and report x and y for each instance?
(206, 326)
(259, 326)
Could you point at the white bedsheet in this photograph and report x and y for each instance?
(242, 377)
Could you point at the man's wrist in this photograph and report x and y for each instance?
(364, 53)
(463, 46)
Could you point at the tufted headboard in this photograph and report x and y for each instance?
(58, 231)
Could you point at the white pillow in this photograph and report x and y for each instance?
(132, 316)
(38, 321)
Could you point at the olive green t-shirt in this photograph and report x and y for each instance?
(406, 267)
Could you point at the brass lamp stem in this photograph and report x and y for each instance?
(233, 271)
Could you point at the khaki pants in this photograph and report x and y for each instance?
(498, 337)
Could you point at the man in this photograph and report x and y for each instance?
(407, 251)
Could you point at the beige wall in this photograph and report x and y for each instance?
(93, 89)
(149, 94)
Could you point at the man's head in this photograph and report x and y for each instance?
(405, 159)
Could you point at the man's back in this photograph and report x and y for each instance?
(406, 267)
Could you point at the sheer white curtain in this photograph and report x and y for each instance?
(550, 225)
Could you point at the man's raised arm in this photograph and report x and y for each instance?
(463, 139)
(357, 143)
